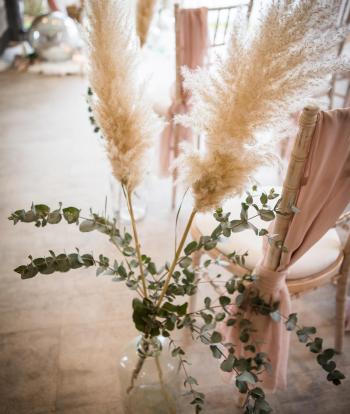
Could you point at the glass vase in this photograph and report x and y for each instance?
(149, 377)
(118, 207)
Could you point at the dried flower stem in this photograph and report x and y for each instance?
(135, 373)
(136, 238)
(162, 386)
(176, 257)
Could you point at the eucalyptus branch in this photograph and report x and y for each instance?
(162, 385)
(315, 345)
(64, 263)
(198, 397)
(245, 381)
(155, 312)
(42, 215)
(136, 371)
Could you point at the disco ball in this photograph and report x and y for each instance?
(54, 36)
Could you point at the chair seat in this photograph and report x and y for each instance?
(322, 255)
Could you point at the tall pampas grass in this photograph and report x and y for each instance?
(122, 110)
(272, 69)
(144, 14)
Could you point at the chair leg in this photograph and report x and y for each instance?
(340, 310)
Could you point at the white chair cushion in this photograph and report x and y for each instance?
(319, 257)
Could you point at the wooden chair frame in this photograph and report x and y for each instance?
(344, 18)
(178, 77)
(337, 271)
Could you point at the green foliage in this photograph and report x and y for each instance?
(247, 377)
(228, 364)
(216, 337)
(55, 263)
(153, 320)
(40, 214)
(303, 333)
(291, 322)
(143, 316)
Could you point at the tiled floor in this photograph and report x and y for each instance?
(60, 336)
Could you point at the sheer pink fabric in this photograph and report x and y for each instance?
(56, 6)
(324, 194)
(325, 190)
(193, 24)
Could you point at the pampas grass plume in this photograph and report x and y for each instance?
(122, 109)
(272, 69)
(144, 14)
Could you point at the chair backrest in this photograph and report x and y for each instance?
(338, 191)
(292, 183)
(219, 20)
(340, 96)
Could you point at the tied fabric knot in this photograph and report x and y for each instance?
(270, 281)
(321, 199)
(269, 336)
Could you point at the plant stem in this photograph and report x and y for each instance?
(137, 243)
(135, 373)
(176, 257)
(162, 385)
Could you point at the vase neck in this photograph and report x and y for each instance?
(149, 346)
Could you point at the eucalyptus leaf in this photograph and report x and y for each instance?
(228, 364)
(215, 351)
(246, 376)
(291, 322)
(54, 217)
(266, 215)
(191, 247)
(71, 214)
(224, 300)
(87, 226)
(216, 337)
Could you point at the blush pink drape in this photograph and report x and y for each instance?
(323, 196)
(193, 33)
(56, 6)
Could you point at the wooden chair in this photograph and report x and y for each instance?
(339, 92)
(218, 37)
(327, 261)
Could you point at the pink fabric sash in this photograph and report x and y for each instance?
(56, 6)
(269, 337)
(323, 196)
(325, 190)
(193, 27)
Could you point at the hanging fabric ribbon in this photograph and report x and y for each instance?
(193, 44)
(323, 196)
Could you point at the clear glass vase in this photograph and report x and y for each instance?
(149, 377)
(118, 207)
